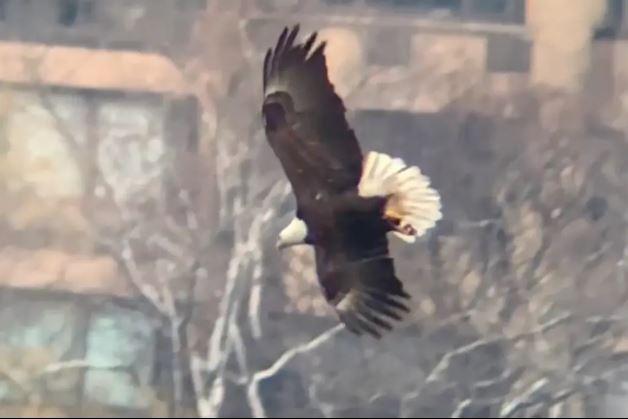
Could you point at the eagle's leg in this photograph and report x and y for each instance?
(393, 214)
(394, 220)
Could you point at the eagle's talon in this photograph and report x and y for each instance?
(409, 230)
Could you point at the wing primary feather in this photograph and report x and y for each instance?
(318, 52)
(281, 42)
(366, 313)
(385, 299)
(368, 328)
(382, 308)
(350, 323)
(279, 48)
(309, 42)
(392, 288)
(266, 69)
(292, 36)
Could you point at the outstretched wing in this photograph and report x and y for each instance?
(305, 119)
(365, 292)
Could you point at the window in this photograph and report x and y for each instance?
(613, 24)
(72, 12)
(451, 6)
(339, 2)
(502, 11)
(129, 137)
(489, 6)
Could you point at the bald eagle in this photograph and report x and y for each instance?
(346, 202)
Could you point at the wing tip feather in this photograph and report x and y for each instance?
(376, 302)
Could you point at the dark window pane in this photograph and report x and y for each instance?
(338, 2)
(68, 12)
(505, 11)
(611, 25)
(418, 5)
(71, 12)
(489, 6)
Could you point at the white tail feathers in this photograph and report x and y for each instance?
(413, 206)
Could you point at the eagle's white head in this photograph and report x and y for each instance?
(293, 234)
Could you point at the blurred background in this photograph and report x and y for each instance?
(140, 204)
